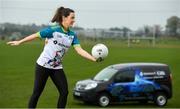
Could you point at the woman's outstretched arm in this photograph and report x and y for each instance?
(26, 39)
(84, 53)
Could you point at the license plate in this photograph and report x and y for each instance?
(77, 93)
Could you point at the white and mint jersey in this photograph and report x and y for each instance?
(58, 44)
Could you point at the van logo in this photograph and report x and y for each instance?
(160, 73)
(153, 75)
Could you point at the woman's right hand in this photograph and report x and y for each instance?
(13, 43)
(26, 39)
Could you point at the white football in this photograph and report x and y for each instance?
(99, 50)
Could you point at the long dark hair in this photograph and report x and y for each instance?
(60, 13)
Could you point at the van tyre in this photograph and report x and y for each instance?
(160, 99)
(104, 100)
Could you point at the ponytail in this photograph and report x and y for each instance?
(60, 12)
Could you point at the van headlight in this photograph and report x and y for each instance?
(90, 86)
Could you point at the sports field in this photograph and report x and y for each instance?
(17, 71)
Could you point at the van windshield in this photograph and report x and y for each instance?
(105, 74)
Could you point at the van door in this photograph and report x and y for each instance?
(145, 82)
(122, 82)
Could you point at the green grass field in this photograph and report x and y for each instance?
(17, 71)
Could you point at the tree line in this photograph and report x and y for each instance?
(172, 29)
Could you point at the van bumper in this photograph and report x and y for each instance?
(86, 95)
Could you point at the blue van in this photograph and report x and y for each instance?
(141, 82)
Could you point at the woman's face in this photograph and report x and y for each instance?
(69, 20)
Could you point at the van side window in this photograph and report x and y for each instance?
(125, 76)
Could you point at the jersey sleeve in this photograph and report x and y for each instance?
(75, 41)
(45, 33)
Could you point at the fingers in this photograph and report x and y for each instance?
(99, 59)
(12, 43)
(8, 43)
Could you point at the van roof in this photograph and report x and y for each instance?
(138, 64)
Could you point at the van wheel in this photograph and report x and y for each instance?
(103, 100)
(160, 99)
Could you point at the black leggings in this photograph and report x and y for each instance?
(59, 79)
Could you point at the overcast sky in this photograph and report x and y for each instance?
(92, 13)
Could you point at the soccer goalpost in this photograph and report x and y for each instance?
(133, 39)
